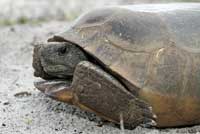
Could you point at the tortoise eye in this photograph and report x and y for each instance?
(62, 50)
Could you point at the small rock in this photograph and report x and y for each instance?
(22, 94)
(12, 29)
(6, 103)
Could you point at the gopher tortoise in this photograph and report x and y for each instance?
(136, 63)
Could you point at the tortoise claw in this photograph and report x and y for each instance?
(153, 116)
(59, 90)
(149, 123)
(149, 119)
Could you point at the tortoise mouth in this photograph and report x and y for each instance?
(38, 68)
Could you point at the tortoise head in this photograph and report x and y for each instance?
(56, 59)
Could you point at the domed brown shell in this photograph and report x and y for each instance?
(154, 48)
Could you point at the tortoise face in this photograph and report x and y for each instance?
(58, 59)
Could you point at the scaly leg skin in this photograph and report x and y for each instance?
(96, 91)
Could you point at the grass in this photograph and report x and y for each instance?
(21, 20)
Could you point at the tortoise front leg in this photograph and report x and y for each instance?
(96, 91)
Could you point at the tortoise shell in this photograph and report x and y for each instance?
(154, 50)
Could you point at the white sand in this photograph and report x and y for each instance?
(36, 113)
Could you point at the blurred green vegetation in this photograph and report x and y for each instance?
(21, 20)
(70, 15)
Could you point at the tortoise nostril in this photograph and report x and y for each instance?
(62, 50)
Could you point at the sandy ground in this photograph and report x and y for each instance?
(24, 110)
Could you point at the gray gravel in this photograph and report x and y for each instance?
(24, 110)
